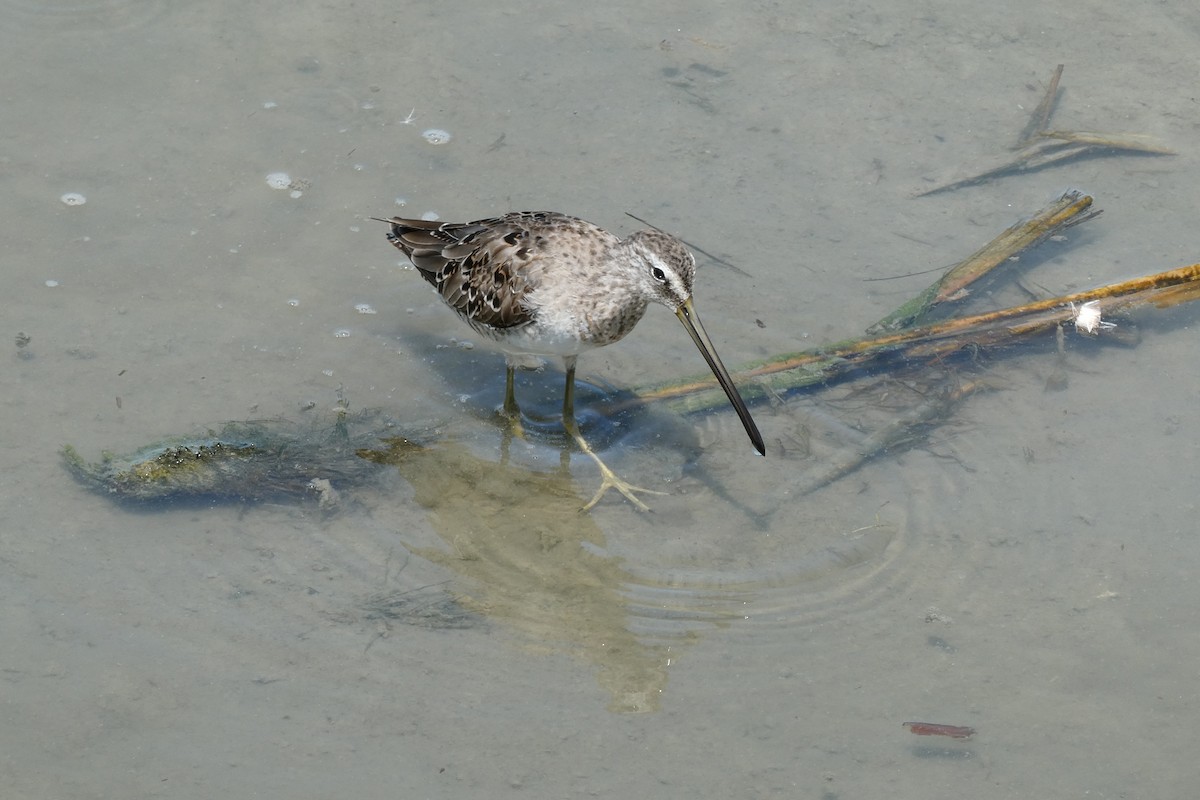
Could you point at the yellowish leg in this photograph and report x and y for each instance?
(510, 396)
(511, 410)
(610, 479)
(512, 415)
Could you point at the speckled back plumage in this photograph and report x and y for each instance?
(573, 283)
(479, 268)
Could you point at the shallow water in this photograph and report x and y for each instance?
(1029, 574)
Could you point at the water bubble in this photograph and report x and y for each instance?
(279, 180)
(52, 283)
(293, 302)
(429, 216)
(436, 136)
(73, 199)
(364, 308)
(341, 333)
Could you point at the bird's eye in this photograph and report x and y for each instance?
(659, 275)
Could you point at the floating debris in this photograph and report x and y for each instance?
(939, 729)
(1087, 318)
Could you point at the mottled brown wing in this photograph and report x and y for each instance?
(480, 268)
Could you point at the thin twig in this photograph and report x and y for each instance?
(1041, 115)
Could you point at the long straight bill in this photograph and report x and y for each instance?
(687, 315)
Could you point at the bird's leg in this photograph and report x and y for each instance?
(610, 479)
(510, 410)
(510, 396)
(511, 413)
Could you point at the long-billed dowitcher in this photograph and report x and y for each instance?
(541, 283)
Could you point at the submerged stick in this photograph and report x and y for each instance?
(1038, 148)
(1058, 146)
(1034, 157)
(1056, 217)
(1130, 142)
(1041, 115)
(991, 329)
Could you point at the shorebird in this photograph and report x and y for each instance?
(540, 283)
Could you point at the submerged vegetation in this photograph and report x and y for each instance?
(245, 461)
